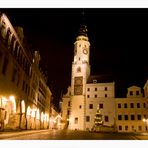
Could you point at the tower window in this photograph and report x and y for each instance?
(69, 103)
(80, 106)
(105, 95)
(95, 96)
(76, 120)
(68, 112)
(88, 89)
(90, 106)
(88, 96)
(95, 89)
(79, 69)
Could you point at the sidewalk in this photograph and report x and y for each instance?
(8, 134)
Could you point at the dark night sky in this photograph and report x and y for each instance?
(118, 40)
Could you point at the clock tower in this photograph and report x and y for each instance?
(80, 74)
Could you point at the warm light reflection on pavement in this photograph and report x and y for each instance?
(70, 135)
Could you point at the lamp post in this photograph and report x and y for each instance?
(145, 120)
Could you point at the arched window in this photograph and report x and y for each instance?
(79, 69)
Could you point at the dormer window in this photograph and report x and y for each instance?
(131, 93)
(94, 81)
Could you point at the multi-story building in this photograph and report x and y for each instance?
(131, 111)
(24, 94)
(88, 93)
(100, 94)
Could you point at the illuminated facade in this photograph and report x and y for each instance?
(24, 95)
(131, 111)
(79, 105)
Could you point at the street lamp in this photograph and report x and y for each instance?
(146, 122)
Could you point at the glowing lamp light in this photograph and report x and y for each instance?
(33, 113)
(12, 99)
(28, 110)
(3, 102)
(144, 120)
(38, 114)
(23, 106)
(42, 116)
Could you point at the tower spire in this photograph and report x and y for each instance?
(83, 27)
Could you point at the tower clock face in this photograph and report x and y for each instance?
(85, 51)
